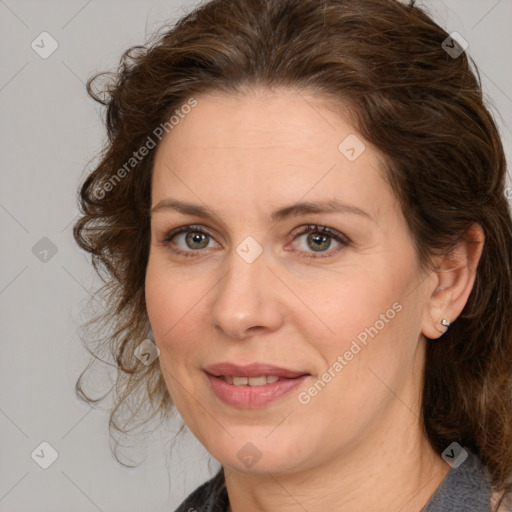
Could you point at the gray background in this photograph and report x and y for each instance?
(49, 130)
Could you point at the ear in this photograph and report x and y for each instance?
(451, 282)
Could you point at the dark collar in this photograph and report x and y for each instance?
(465, 488)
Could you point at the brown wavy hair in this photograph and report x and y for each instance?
(421, 107)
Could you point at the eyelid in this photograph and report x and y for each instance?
(169, 235)
(340, 238)
(188, 227)
(304, 229)
(320, 228)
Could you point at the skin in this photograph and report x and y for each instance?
(358, 444)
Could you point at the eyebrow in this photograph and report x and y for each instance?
(294, 210)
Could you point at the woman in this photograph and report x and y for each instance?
(302, 203)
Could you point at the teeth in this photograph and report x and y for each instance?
(251, 381)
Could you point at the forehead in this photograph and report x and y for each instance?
(282, 144)
(260, 117)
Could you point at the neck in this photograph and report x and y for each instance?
(399, 473)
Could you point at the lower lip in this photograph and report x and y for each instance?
(248, 397)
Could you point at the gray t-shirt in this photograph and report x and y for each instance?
(464, 489)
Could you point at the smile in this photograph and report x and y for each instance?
(252, 392)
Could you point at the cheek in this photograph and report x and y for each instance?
(373, 324)
(170, 294)
(168, 305)
(168, 309)
(178, 306)
(353, 305)
(372, 352)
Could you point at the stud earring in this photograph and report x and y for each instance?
(445, 323)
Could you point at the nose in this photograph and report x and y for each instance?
(247, 299)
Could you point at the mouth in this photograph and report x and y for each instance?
(253, 391)
(260, 380)
(252, 371)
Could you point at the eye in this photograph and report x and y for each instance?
(191, 237)
(194, 238)
(319, 238)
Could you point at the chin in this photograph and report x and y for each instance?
(260, 455)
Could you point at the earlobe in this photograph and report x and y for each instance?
(452, 281)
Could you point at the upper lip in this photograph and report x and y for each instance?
(251, 370)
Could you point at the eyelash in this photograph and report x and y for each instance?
(311, 228)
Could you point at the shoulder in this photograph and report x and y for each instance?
(466, 487)
(210, 496)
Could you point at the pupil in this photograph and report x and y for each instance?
(193, 238)
(318, 239)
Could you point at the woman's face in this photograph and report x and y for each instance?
(243, 284)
